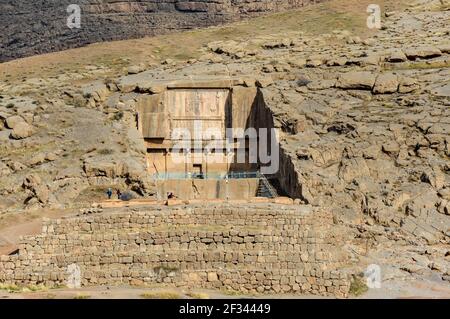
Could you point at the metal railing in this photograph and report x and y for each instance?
(209, 176)
(265, 189)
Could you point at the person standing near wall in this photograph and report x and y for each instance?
(109, 192)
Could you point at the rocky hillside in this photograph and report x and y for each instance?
(39, 26)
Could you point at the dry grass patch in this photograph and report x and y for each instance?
(19, 289)
(161, 295)
(358, 286)
(10, 288)
(197, 295)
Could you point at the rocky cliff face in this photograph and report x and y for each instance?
(40, 26)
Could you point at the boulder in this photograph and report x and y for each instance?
(339, 61)
(434, 176)
(38, 189)
(22, 130)
(103, 166)
(151, 87)
(353, 168)
(386, 83)
(372, 151)
(135, 69)
(51, 157)
(264, 82)
(97, 91)
(444, 207)
(230, 48)
(439, 128)
(391, 148)
(315, 61)
(445, 193)
(422, 52)
(4, 170)
(16, 166)
(12, 121)
(407, 84)
(444, 48)
(127, 196)
(297, 62)
(3, 117)
(321, 85)
(37, 159)
(373, 59)
(396, 56)
(300, 124)
(356, 80)
(212, 277)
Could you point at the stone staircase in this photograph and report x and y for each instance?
(265, 189)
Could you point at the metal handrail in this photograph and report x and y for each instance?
(272, 193)
(210, 176)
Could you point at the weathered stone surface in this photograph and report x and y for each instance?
(250, 245)
(422, 52)
(22, 130)
(11, 122)
(407, 84)
(4, 169)
(39, 190)
(263, 82)
(321, 85)
(386, 83)
(396, 56)
(353, 168)
(356, 80)
(97, 91)
(135, 69)
(442, 91)
(104, 166)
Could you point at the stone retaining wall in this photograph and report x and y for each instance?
(253, 248)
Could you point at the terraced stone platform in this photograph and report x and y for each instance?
(256, 248)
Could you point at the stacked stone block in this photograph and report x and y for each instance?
(252, 248)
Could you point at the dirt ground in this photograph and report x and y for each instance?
(13, 226)
(430, 288)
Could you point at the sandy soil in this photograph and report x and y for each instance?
(397, 290)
